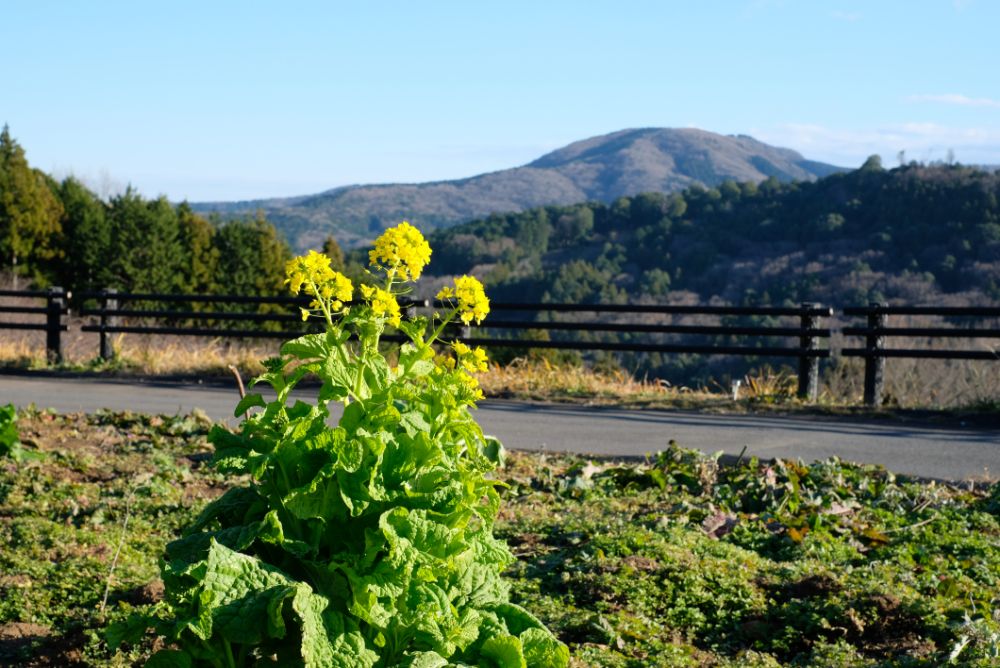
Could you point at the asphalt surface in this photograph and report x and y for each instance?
(953, 451)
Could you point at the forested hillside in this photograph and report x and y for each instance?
(602, 168)
(915, 234)
(61, 233)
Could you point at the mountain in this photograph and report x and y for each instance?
(598, 169)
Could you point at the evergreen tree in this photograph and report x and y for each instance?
(87, 239)
(252, 257)
(201, 256)
(336, 254)
(29, 212)
(147, 251)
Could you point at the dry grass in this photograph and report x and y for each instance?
(539, 379)
(918, 383)
(139, 354)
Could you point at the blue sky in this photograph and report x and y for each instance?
(237, 100)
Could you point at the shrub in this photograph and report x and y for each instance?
(365, 544)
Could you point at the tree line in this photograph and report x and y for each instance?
(914, 233)
(60, 233)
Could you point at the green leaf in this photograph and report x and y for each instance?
(414, 329)
(517, 619)
(338, 374)
(325, 642)
(248, 402)
(504, 652)
(244, 596)
(374, 594)
(542, 650)
(414, 422)
(494, 451)
(239, 505)
(270, 530)
(8, 429)
(412, 536)
(306, 347)
(170, 658)
(416, 362)
(479, 585)
(376, 373)
(423, 660)
(233, 452)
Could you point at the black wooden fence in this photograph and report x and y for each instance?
(114, 317)
(278, 317)
(56, 305)
(730, 339)
(877, 330)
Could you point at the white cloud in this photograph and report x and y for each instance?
(921, 141)
(957, 99)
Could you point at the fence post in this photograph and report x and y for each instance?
(808, 366)
(109, 302)
(874, 362)
(55, 302)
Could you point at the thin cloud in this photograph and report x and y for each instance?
(957, 99)
(920, 141)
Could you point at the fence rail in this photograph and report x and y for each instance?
(146, 313)
(56, 306)
(877, 330)
(111, 315)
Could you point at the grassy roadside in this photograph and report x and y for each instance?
(673, 562)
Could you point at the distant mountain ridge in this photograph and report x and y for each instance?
(601, 169)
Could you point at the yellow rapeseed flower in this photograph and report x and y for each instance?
(401, 248)
(473, 360)
(313, 267)
(383, 303)
(312, 274)
(473, 304)
(469, 387)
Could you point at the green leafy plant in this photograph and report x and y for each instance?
(8, 429)
(10, 440)
(369, 543)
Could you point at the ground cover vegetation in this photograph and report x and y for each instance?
(674, 561)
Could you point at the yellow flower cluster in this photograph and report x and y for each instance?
(403, 249)
(472, 301)
(312, 273)
(383, 303)
(473, 360)
(469, 387)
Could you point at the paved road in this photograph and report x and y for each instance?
(953, 451)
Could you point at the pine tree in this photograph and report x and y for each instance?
(86, 238)
(201, 261)
(147, 251)
(252, 257)
(333, 251)
(29, 211)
